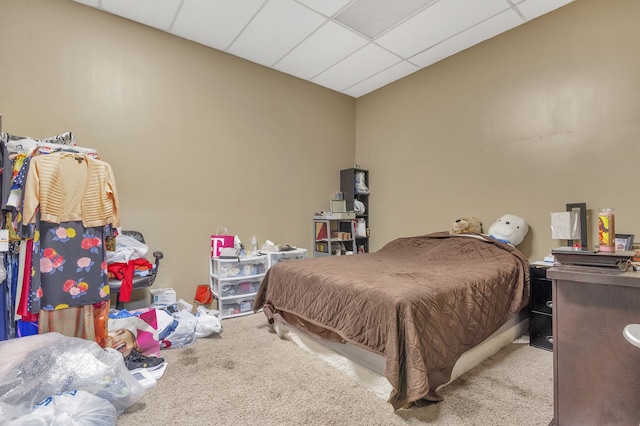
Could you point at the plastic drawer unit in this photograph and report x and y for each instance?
(274, 257)
(235, 283)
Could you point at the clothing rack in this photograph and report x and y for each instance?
(69, 148)
(16, 314)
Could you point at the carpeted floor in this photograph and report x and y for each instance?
(248, 375)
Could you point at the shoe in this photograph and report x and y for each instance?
(136, 360)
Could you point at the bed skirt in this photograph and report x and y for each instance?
(367, 367)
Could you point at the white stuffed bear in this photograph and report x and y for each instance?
(510, 229)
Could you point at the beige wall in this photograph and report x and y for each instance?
(543, 115)
(197, 138)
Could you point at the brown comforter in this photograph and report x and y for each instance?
(419, 301)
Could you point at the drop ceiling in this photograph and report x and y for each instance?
(350, 46)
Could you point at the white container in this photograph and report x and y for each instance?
(281, 256)
(236, 268)
(163, 296)
(235, 283)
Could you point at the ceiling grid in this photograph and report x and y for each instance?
(350, 46)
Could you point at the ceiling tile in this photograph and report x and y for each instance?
(322, 49)
(438, 22)
(474, 35)
(364, 63)
(372, 17)
(304, 39)
(155, 13)
(533, 8)
(214, 23)
(326, 7)
(276, 30)
(381, 79)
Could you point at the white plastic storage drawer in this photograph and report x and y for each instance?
(239, 287)
(282, 256)
(239, 307)
(245, 267)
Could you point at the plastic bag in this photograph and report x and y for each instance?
(208, 322)
(34, 368)
(134, 330)
(125, 241)
(127, 248)
(75, 408)
(361, 228)
(180, 332)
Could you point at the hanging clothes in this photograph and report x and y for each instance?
(51, 196)
(72, 200)
(71, 269)
(88, 322)
(70, 187)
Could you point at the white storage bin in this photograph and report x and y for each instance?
(282, 256)
(238, 287)
(235, 283)
(234, 268)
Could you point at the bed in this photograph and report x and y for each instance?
(419, 303)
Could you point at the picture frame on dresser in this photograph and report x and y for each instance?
(624, 241)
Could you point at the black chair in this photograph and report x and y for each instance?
(138, 281)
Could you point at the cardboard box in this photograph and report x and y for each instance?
(163, 296)
(337, 235)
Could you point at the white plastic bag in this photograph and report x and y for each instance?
(208, 322)
(361, 228)
(181, 333)
(73, 408)
(36, 367)
(127, 248)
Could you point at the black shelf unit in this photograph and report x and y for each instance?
(348, 188)
(540, 309)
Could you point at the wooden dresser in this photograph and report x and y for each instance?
(596, 371)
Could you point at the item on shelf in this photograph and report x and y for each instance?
(334, 237)
(606, 229)
(338, 206)
(360, 183)
(218, 241)
(361, 228)
(321, 231)
(284, 253)
(229, 253)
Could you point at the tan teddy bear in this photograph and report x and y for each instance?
(466, 225)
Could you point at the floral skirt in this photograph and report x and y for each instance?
(69, 266)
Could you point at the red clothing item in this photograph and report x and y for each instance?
(23, 305)
(124, 271)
